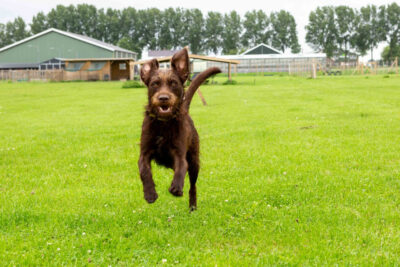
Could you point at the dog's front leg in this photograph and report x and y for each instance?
(149, 190)
(180, 168)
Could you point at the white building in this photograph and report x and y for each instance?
(264, 58)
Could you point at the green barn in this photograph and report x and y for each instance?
(54, 43)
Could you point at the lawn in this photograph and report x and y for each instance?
(294, 172)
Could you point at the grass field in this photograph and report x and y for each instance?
(294, 172)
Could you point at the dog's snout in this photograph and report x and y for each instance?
(163, 97)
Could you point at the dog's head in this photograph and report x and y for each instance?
(166, 87)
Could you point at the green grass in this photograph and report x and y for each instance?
(294, 172)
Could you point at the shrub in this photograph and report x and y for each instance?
(229, 82)
(132, 84)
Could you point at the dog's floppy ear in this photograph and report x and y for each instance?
(147, 69)
(180, 64)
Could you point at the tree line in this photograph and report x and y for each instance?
(332, 30)
(345, 30)
(171, 28)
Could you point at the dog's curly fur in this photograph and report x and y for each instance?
(168, 133)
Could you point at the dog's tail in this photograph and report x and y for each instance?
(197, 81)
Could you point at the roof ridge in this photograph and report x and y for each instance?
(83, 38)
(255, 47)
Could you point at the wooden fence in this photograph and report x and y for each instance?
(32, 75)
(350, 68)
(50, 75)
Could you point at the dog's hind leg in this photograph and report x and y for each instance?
(180, 169)
(193, 169)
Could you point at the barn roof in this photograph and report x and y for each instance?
(191, 56)
(79, 37)
(161, 53)
(261, 49)
(274, 56)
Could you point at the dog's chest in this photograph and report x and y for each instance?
(163, 147)
(162, 143)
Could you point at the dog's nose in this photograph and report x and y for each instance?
(163, 97)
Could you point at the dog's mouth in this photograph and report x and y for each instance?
(164, 109)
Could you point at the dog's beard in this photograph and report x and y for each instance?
(164, 111)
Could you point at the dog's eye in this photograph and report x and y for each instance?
(173, 83)
(155, 84)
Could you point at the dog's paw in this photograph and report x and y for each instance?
(192, 208)
(176, 190)
(150, 196)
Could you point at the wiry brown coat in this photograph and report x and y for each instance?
(168, 133)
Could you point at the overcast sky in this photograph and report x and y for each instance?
(299, 9)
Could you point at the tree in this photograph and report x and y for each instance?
(194, 30)
(86, 15)
(73, 21)
(177, 28)
(167, 29)
(130, 30)
(284, 33)
(213, 32)
(127, 43)
(129, 20)
(59, 18)
(103, 26)
(110, 25)
(16, 31)
(171, 26)
(149, 25)
(346, 21)
(256, 28)
(165, 37)
(389, 54)
(3, 35)
(39, 23)
(390, 20)
(321, 30)
(231, 33)
(368, 32)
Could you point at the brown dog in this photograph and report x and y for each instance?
(168, 133)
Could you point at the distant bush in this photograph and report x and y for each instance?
(132, 84)
(71, 81)
(229, 82)
(386, 76)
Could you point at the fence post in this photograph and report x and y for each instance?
(201, 97)
(314, 70)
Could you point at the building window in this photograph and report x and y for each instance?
(122, 66)
(97, 65)
(75, 66)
